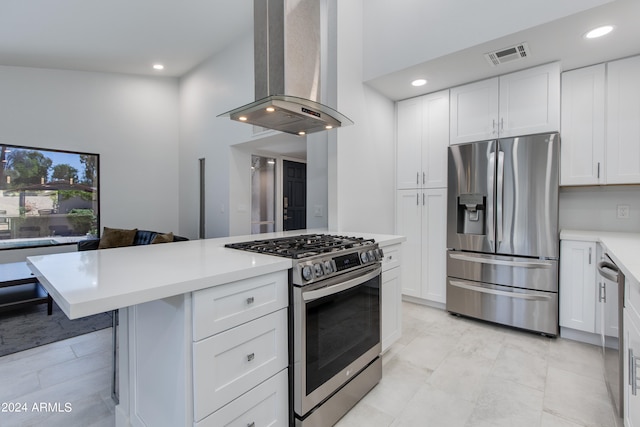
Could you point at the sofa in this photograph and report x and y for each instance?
(133, 237)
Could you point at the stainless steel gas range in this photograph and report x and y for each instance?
(334, 322)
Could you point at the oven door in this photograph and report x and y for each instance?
(336, 334)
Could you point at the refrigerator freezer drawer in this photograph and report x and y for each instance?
(529, 273)
(521, 308)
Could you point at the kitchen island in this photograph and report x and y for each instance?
(203, 328)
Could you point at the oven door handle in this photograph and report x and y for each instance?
(309, 296)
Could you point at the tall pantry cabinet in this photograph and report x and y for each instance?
(422, 141)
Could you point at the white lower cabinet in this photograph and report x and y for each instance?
(215, 357)
(391, 316)
(422, 219)
(264, 405)
(578, 285)
(234, 361)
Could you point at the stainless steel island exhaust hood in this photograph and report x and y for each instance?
(287, 64)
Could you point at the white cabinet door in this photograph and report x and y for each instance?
(434, 245)
(530, 101)
(521, 103)
(422, 141)
(408, 217)
(474, 112)
(409, 143)
(623, 121)
(578, 285)
(435, 139)
(391, 307)
(421, 217)
(583, 129)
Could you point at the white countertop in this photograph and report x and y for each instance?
(91, 282)
(623, 248)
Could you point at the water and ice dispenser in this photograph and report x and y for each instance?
(471, 211)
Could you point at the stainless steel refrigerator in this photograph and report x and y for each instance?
(502, 231)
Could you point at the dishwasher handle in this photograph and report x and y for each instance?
(608, 270)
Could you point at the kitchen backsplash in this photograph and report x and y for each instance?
(596, 208)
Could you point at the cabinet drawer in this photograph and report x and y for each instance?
(391, 257)
(232, 362)
(264, 405)
(222, 307)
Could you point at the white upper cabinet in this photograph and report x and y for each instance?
(409, 143)
(530, 101)
(623, 121)
(601, 124)
(474, 111)
(422, 140)
(582, 126)
(522, 103)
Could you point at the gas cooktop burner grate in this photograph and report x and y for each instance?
(303, 246)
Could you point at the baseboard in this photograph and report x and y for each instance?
(422, 301)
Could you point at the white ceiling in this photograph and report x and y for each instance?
(120, 36)
(125, 36)
(558, 40)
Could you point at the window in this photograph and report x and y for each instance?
(47, 197)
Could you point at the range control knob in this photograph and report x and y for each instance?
(318, 269)
(328, 268)
(372, 257)
(364, 257)
(307, 272)
(379, 254)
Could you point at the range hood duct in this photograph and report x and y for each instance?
(287, 64)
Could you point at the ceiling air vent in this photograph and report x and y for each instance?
(508, 54)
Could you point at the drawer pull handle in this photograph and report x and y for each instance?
(251, 424)
(250, 357)
(250, 300)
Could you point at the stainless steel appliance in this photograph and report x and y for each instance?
(611, 297)
(502, 231)
(335, 322)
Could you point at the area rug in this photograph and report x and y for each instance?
(22, 329)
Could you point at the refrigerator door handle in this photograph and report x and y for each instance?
(490, 203)
(538, 297)
(499, 198)
(521, 264)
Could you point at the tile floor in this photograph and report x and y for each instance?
(445, 371)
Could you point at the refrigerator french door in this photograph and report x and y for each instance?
(502, 231)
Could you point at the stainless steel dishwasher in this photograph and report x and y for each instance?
(611, 297)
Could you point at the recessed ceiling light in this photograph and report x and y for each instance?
(328, 127)
(158, 67)
(419, 82)
(271, 109)
(301, 133)
(242, 119)
(599, 32)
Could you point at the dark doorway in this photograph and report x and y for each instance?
(294, 195)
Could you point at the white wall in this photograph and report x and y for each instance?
(594, 208)
(361, 156)
(131, 121)
(222, 83)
